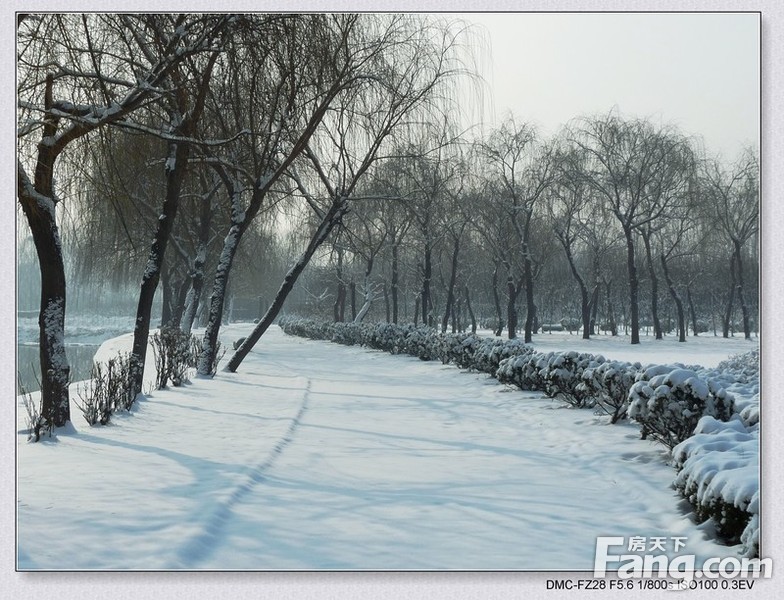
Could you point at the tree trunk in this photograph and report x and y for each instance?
(340, 296)
(369, 295)
(387, 307)
(657, 329)
(469, 309)
(395, 276)
(692, 311)
(166, 299)
(511, 307)
(38, 202)
(730, 300)
(450, 294)
(675, 298)
(197, 275)
(585, 302)
(417, 302)
(610, 312)
(530, 313)
(178, 306)
(39, 208)
(219, 287)
(633, 287)
(175, 174)
(330, 220)
(741, 292)
(352, 287)
(427, 274)
(594, 308)
(497, 301)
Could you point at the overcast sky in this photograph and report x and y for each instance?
(699, 72)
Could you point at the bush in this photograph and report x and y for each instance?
(491, 351)
(718, 472)
(744, 367)
(107, 391)
(562, 375)
(38, 424)
(609, 385)
(668, 405)
(173, 356)
(458, 349)
(524, 370)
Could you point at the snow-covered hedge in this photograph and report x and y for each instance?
(465, 350)
(719, 475)
(668, 402)
(609, 384)
(719, 465)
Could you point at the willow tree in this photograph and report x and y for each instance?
(734, 198)
(523, 169)
(402, 66)
(77, 74)
(626, 162)
(571, 207)
(283, 74)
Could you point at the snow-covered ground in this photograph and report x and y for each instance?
(319, 456)
(706, 349)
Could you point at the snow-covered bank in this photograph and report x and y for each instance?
(322, 456)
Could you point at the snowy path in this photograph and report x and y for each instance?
(322, 456)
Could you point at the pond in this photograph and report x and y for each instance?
(80, 357)
(83, 336)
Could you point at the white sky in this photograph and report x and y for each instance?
(700, 72)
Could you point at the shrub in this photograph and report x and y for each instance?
(421, 342)
(173, 356)
(609, 385)
(744, 367)
(668, 405)
(524, 370)
(718, 473)
(107, 391)
(491, 351)
(458, 349)
(38, 424)
(562, 375)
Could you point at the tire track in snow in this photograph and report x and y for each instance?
(199, 546)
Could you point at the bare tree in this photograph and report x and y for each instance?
(408, 62)
(72, 83)
(734, 195)
(570, 207)
(523, 170)
(626, 163)
(284, 73)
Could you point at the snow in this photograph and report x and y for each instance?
(320, 456)
(705, 350)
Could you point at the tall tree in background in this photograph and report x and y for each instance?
(570, 207)
(627, 158)
(734, 196)
(523, 170)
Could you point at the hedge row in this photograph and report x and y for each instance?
(667, 401)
